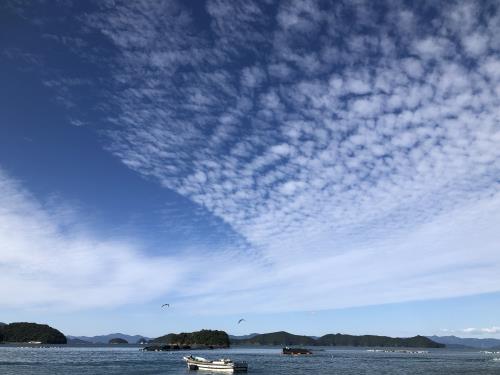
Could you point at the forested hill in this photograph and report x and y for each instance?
(277, 338)
(204, 337)
(371, 340)
(25, 332)
(287, 339)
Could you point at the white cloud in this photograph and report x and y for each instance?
(413, 67)
(299, 15)
(357, 86)
(474, 331)
(47, 263)
(366, 107)
(253, 76)
(432, 47)
(482, 331)
(475, 44)
(369, 179)
(282, 149)
(492, 68)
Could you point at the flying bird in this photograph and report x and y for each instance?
(165, 304)
(241, 320)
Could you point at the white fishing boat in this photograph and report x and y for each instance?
(224, 364)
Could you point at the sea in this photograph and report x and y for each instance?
(53, 360)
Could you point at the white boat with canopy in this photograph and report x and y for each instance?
(224, 364)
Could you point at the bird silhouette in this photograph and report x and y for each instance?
(241, 320)
(165, 304)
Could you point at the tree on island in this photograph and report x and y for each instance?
(205, 337)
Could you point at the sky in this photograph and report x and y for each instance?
(311, 166)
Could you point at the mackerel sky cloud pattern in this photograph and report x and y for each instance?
(311, 126)
(333, 137)
(307, 133)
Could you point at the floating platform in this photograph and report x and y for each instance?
(296, 351)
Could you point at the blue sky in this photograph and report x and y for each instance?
(311, 166)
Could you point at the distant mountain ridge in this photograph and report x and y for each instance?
(276, 338)
(283, 338)
(454, 341)
(104, 339)
(75, 341)
(242, 337)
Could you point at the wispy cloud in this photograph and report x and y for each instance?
(49, 261)
(475, 331)
(482, 331)
(355, 149)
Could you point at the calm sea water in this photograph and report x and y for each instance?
(123, 361)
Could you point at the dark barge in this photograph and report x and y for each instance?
(296, 351)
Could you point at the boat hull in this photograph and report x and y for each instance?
(192, 366)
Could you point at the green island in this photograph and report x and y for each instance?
(205, 337)
(30, 332)
(287, 339)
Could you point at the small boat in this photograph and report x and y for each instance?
(296, 351)
(224, 364)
